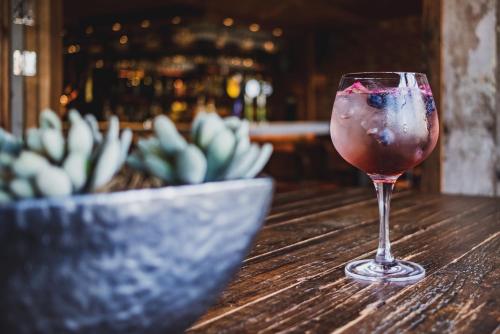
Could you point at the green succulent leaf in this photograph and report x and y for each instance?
(76, 165)
(94, 126)
(6, 159)
(190, 165)
(208, 129)
(107, 164)
(28, 164)
(50, 120)
(80, 138)
(113, 128)
(34, 140)
(170, 140)
(53, 144)
(21, 188)
(125, 142)
(241, 163)
(135, 161)
(53, 181)
(264, 156)
(219, 153)
(195, 126)
(159, 167)
(5, 197)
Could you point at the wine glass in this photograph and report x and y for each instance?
(384, 123)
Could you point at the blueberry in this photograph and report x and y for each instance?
(376, 100)
(430, 106)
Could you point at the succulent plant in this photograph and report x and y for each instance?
(47, 164)
(220, 149)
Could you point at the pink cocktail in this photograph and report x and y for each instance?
(384, 124)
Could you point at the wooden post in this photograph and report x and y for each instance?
(44, 90)
(4, 64)
(431, 180)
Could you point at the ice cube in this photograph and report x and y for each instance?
(344, 106)
(375, 120)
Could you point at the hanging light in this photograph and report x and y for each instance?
(248, 62)
(145, 24)
(277, 32)
(116, 26)
(176, 20)
(123, 39)
(247, 44)
(89, 30)
(254, 27)
(228, 21)
(269, 46)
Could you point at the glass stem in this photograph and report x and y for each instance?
(384, 192)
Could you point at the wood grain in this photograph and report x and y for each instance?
(293, 280)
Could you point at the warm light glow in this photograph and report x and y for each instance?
(220, 42)
(254, 27)
(123, 39)
(136, 81)
(228, 22)
(233, 86)
(63, 100)
(116, 27)
(176, 20)
(178, 106)
(247, 44)
(269, 46)
(236, 62)
(73, 48)
(145, 24)
(247, 62)
(89, 30)
(277, 32)
(178, 84)
(99, 63)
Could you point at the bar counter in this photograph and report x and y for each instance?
(261, 131)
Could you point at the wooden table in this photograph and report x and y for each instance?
(293, 279)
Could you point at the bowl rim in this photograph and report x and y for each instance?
(127, 196)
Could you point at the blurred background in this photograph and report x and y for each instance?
(275, 63)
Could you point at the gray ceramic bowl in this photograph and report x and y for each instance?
(145, 261)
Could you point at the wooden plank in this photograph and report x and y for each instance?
(361, 299)
(4, 65)
(459, 298)
(317, 225)
(318, 203)
(302, 193)
(261, 279)
(318, 297)
(431, 180)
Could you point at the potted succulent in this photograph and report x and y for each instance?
(134, 261)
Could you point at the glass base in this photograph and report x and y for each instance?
(405, 272)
